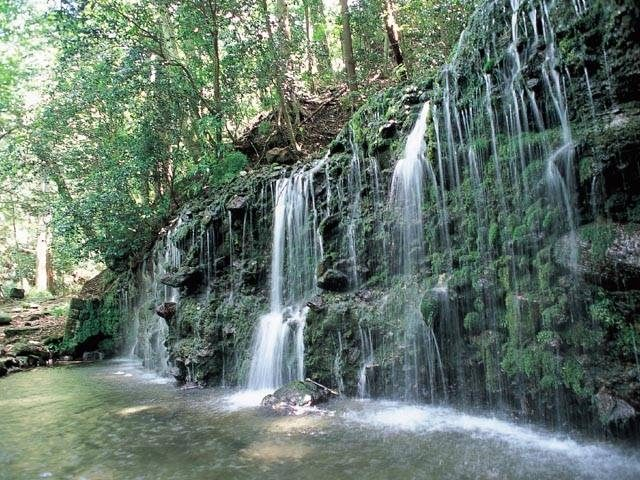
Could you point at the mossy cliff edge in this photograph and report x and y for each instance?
(530, 283)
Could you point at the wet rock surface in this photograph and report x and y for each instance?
(291, 398)
(166, 310)
(16, 293)
(613, 410)
(185, 277)
(333, 280)
(608, 254)
(505, 316)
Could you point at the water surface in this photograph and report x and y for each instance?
(114, 421)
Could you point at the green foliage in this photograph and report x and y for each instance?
(60, 311)
(600, 235)
(94, 319)
(603, 312)
(39, 296)
(472, 322)
(138, 112)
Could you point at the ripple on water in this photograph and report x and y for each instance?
(244, 399)
(596, 459)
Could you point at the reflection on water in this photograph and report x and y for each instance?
(114, 421)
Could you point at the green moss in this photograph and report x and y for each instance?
(472, 322)
(600, 235)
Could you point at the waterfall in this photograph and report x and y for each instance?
(407, 185)
(366, 344)
(146, 332)
(421, 360)
(278, 347)
(354, 189)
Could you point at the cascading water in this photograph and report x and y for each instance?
(147, 332)
(421, 356)
(366, 344)
(454, 282)
(278, 349)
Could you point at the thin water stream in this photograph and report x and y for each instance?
(115, 421)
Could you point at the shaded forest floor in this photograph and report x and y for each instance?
(319, 118)
(30, 332)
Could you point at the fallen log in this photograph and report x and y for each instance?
(322, 386)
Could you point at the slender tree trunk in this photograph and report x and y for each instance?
(393, 33)
(319, 36)
(15, 233)
(309, 38)
(217, 95)
(347, 46)
(279, 77)
(284, 26)
(44, 269)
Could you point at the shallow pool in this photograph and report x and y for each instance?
(115, 421)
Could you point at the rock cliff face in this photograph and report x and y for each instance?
(512, 285)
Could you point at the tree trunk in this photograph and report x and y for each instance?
(393, 33)
(217, 95)
(44, 269)
(347, 46)
(309, 39)
(279, 77)
(319, 36)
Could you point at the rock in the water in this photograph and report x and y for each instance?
(92, 356)
(8, 362)
(4, 319)
(17, 293)
(333, 280)
(613, 410)
(288, 400)
(184, 277)
(31, 350)
(166, 310)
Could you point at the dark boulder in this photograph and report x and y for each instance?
(607, 255)
(389, 129)
(282, 155)
(287, 400)
(329, 227)
(411, 95)
(238, 202)
(317, 304)
(30, 354)
(4, 319)
(612, 410)
(166, 310)
(337, 146)
(92, 356)
(185, 277)
(16, 293)
(333, 280)
(9, 362)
